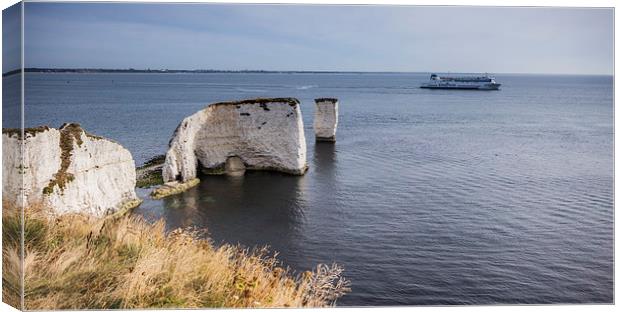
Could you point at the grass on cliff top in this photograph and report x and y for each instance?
(27, 131)
(290, 101)
(80, 262)
(333, 100)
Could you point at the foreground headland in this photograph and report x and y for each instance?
(68, 170)
(92, 253)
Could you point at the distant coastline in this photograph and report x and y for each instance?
(251, 71)
(176, 71)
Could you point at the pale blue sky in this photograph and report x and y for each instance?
(313, 37)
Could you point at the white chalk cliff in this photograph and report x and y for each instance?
(258, 134)
(67, 170)
(326, 119)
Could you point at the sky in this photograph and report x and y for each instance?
(319, 37)
(11, 38)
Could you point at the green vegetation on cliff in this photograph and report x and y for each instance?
(150, 174)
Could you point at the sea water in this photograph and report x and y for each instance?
(427, 197)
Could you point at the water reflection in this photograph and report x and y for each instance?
(324, 158)
(323, 172)
(237, 209)
(180, 211)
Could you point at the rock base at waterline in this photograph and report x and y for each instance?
(173, 188)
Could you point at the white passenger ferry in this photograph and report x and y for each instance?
(485, 82)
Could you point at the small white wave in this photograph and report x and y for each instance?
(249, 90)
(306, 87)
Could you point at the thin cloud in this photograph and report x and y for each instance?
(313, 37)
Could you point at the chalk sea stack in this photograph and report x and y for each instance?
(231, 137)
(325, 119)
(67, 170)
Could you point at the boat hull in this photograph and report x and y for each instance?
(462, 87)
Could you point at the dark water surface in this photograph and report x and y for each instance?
(428, 197)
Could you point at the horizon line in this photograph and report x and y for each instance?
(199, 71)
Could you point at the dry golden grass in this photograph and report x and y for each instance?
(80, 262)
(11, 262)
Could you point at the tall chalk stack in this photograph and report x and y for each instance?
(325, 119)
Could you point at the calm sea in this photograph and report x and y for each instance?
(428, 196)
